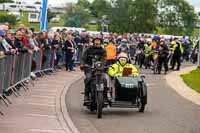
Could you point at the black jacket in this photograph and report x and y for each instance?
(67, 45)
(20, 46)
(3, 49)
(91, 52)
(163, 51)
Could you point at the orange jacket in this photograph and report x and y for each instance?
(111, 51)
(154, 45)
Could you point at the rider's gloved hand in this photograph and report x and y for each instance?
(135, 75)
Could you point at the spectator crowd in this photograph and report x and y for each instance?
(68, 45)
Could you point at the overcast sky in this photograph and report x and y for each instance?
(195, 3)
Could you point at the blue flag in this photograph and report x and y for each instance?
(43, 16)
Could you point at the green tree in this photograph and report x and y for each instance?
(6, 1)
(176, 17)
(8, 18)
(141, 16)
(120, 16)
(77, 15)
(133, 16)
(50, 15)
(83, 3)
(99, 8)
(144, 16)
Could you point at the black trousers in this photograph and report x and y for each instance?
(87, 80)
(162, 61)
(59, 56)
(69, 61)
(147, 61)
(176, 59)
(140, 60)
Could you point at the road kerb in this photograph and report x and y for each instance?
(61, 110)
(175, 81)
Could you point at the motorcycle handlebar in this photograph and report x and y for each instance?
(93, 67)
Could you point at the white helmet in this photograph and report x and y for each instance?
(123, 55)
(149, 40)
(119, 37)
(124, 40)
(106, 41)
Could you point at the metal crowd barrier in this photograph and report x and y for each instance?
(18, 68)
(8, 67)
(37, 59)
(2, 73)
(15, 70)
(44, 61)
(2, 61)
(5, 76)
(61, 61)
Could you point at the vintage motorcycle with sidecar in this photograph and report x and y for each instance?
(120, 92)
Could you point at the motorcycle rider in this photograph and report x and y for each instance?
(147, 53)
(177, 50)
(90, 52)
(140, 53)
(195, 47)
(123, 46)
(162, 56)
(116, 70)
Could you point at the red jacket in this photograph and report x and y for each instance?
(25, 42)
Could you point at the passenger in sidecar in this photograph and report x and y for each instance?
(126, 86)
(117, 69)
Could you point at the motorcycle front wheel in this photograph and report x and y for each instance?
(99, 104)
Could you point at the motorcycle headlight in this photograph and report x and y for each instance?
(98, 65)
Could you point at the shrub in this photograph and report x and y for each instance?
(8, 18)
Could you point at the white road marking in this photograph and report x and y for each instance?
(44, 90)
(48, 131)
(38, 104)
(47, 97)
(39, 115)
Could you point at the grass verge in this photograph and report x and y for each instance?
(192, 79)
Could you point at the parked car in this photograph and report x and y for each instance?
(29, 8)
(12, 7)
(55, 19)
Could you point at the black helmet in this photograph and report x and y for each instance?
(97, 38)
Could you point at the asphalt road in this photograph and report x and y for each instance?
(166, 112)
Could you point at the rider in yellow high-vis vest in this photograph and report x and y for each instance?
(147, 49)
(148, 53)
(116, 70)
(176, 44)
(177, 50)
(194, 44)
